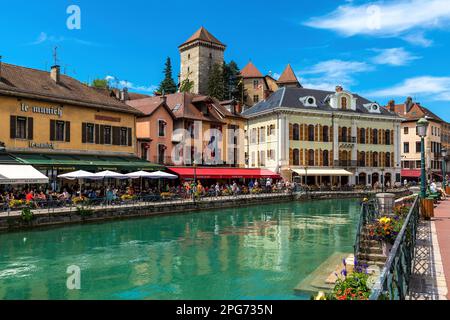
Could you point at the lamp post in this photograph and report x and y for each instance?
(444, 167)
(194, 186)
(422, 127)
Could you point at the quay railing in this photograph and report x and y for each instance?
(369, 212)
(393, 282)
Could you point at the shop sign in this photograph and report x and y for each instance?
(54, 111)
(35, 145)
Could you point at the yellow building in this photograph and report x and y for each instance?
(58, 124)
(323, 137)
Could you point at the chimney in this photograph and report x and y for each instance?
(408, 104)
(124, 96)
(163, 99)
(391, 105)
(55, 73)
(339, 89)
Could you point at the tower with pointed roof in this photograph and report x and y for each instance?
(198, 55)
(288, 78)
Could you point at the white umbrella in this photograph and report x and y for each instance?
(140, 174)
(78, 175)
(110, 174)
(163, 175)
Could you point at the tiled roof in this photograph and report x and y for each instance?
(250, 71)
(149, 105)
(204, 35)
(291, 98)
(288, 76)
(37, 84)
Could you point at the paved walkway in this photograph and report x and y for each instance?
(441, 222)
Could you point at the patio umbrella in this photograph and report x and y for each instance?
(110, 174)
(79, 175)
(140, 175)
(163, 175)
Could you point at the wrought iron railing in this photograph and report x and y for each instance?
(369, 212)
(393, 283)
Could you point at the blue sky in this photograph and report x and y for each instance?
(380, 49)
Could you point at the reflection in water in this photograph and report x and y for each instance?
(254, 252)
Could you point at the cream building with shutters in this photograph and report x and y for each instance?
(324, 137)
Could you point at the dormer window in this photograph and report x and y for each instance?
(344, 103)
(308, 101)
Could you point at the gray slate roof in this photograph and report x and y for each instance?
(290, 98)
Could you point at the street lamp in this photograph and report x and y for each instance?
(422, 127)
(194, 186)
(444, 167)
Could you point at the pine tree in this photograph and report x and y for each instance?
(216, 83)
(168, 85)
(233, 85)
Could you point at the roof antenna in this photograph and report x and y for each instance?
(55, 56)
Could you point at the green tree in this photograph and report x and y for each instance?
(186, 85)
(232, 81)
(168, 85)
(215, 82)
(100, 83)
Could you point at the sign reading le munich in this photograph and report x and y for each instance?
(58, 111)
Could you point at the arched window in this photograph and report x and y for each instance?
(296, 157)
(387, 137)
(344, 134)
(326, 134)
(310, 132)
(362, 136)
(362, 159)
(375, 136)
(311, 158)
(388, 160)
(375, 159)
(326, 157)
(296, 130)
(344, 103)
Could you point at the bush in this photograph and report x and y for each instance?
(385, 229)
(16, 203)
(27, 215)
(83, 212)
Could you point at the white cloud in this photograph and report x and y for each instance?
(434, 88)
(394, 57)
(392, 19)
(130, 85)
(418, 39)
(328, 74)
(43, 37)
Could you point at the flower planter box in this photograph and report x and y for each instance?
(427, 208)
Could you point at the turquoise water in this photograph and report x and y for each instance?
(259, 252)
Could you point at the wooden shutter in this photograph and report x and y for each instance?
(331, 134)
(392, 137)
(130, 137)
(67, 131)
(12, 127)
(102, 134)
(316, 133)
(97, 134)
(83, 133)
(320, 133)
(116, 136)
(291, 157)
(367, 136)
(331, 158)
(380, 136)
(392, 159)
(320, 158)
(30, 128)
(291, 131)
(340, 134)
(301, 133)
(316, 157)
(52, 130)
(302, 158)
(358, 135)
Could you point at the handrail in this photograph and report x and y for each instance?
(395, 275)
(368, 213)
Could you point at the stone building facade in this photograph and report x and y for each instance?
(198, 55)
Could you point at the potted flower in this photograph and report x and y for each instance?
(386, 230)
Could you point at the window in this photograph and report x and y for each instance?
(375, 159)
(161, 153)
(107, 135)
(326, 158)
(310, 132)
(344, 134)
(296, 157)
(271, 130)
(362, 136)
(362, 159)
(388, 160)
(387, 137)
(344, 103)
(375, 136)
(406, 147)
(255, 84)
(253, 136)
(262, 134)
(405, 130)
(296, 131)
(162, 128)
(90, 133)
(59, 130)
(418, 146)
(311, 158)
(123, 136)
(256, 98)
(189, 56)
(326, 134)
(144, 153)
(21, 128)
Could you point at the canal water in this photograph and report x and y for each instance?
(258, 252)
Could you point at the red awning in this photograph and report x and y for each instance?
(411, 173)
(224, 173)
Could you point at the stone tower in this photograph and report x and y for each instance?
(198, 54)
